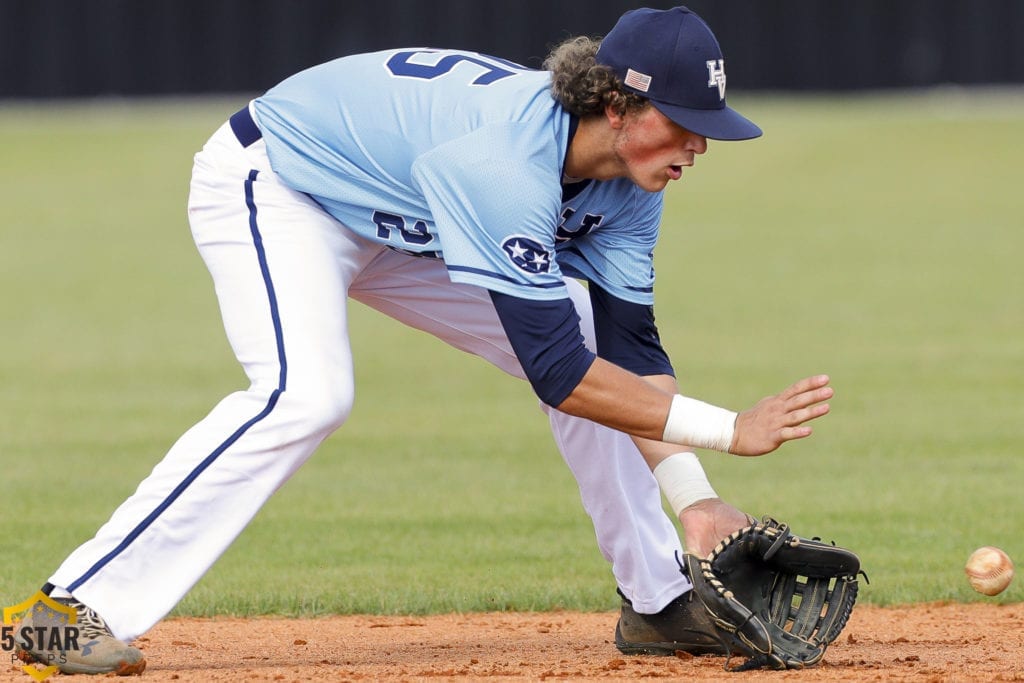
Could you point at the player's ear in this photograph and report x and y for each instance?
(615, 109)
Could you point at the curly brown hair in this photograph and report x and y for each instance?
(583, 86)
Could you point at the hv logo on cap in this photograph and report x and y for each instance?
(716, 76)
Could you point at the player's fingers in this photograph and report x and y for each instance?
(798, 417)
(793, 433)
(806, 384)
(810, 397)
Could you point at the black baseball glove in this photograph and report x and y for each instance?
(775, 597)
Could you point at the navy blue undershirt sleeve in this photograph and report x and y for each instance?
(627, 335)
(546, 338)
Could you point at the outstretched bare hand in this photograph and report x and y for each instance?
(777, 419)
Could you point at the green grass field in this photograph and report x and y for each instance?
(877, 239)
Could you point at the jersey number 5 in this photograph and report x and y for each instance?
(495, 69)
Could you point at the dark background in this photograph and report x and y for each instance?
(76, 48)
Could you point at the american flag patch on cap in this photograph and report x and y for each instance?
(637, 80)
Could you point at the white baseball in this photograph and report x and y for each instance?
(989, 570)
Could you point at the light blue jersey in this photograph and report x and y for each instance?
(459, 155)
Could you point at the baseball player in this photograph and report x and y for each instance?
(466, 196)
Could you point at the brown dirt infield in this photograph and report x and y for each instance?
(925, 643)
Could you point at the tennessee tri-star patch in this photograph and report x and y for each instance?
(527, 254)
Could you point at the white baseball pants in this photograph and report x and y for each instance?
(283, 269)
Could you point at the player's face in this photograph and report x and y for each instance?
(653, 150)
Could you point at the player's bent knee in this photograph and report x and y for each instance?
(318, 409)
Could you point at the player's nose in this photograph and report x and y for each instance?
(698, 144)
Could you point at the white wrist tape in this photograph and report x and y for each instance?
(683, 481)
(695, 423)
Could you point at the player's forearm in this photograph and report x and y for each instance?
(655, 450)
(648, 408)
(682, 479)
(685, 485)
(621, 400)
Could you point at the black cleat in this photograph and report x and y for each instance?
(683, 626)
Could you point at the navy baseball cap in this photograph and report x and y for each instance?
(672, 58)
